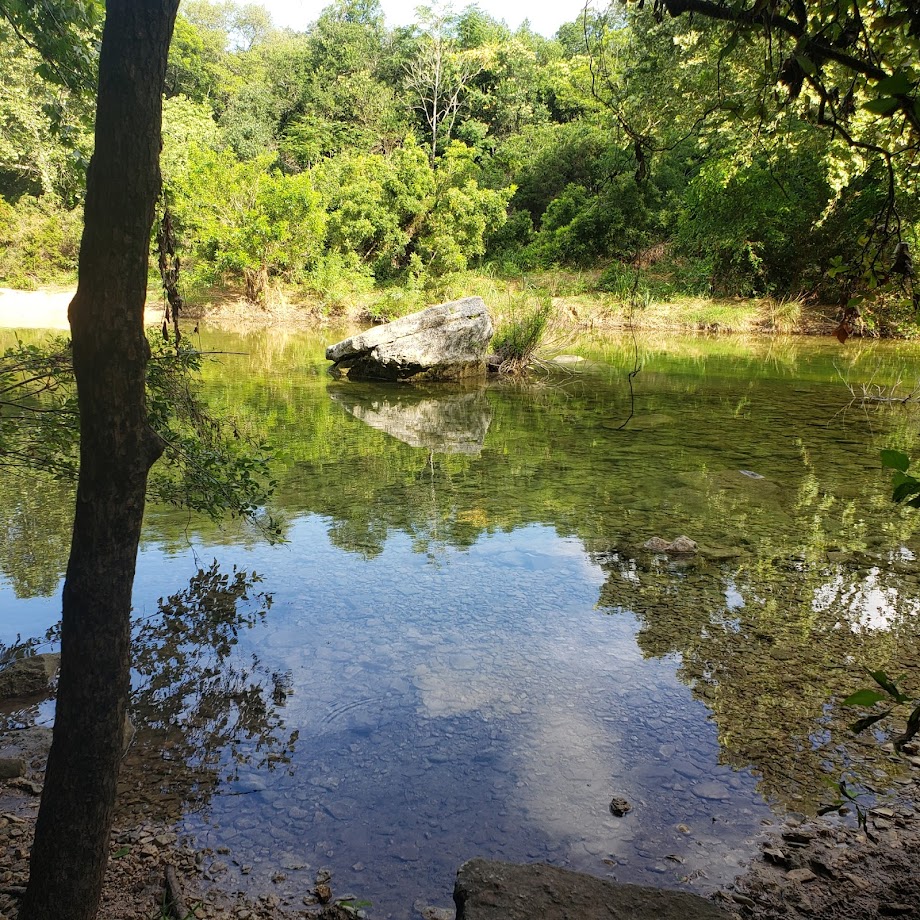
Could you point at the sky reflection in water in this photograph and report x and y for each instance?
(473, 647)
(474, 704)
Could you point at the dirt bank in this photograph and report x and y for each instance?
(47, 309)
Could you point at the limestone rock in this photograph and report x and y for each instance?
(682, 546)
(503, 891)
(441, 343)
(27, 677)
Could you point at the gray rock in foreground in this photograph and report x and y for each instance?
(504, 891)
(441, 343)
(26, 677)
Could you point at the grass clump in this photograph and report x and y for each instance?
(518, 337)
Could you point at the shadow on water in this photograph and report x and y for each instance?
(471, 648)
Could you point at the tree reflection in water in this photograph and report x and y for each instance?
(203, 709)
(773, 646)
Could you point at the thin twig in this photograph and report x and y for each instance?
(633, 295)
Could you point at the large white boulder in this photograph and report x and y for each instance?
(441, 343)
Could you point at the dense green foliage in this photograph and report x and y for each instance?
(761, 150)
(210, 464)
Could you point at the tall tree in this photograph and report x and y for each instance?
(438, 76)
(849, 66)
(117, 449)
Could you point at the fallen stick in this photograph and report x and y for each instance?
(175, 902)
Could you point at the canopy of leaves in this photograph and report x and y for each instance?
(767, 146)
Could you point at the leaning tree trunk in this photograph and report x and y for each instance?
(117, 449)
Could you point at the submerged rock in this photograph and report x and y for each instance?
(441, 343)
(503, 891)
(27, 677)
(679, 547)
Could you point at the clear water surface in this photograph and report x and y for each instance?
(469, 652)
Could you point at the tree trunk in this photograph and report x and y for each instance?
(117, 449)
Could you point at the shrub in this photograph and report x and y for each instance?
(246, 222)
(39, 242)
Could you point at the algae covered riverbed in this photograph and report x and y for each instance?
(466, 649)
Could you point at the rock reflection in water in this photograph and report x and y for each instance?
(443, 421)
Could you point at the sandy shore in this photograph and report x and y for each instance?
(46, 309)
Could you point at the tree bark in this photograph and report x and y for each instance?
(117, 449)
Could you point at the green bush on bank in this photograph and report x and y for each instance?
(39, 242)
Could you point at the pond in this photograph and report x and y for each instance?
(462, 647)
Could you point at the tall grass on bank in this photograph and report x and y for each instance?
(520, 334)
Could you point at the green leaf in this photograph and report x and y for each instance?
(122, 851)
(864, 698)
(807, 64)
(885, 682)
(730, 45)
(895, 85)
(906, 489)
(895, 460)
(869, 721)
(882, 106)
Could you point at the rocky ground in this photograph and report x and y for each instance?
(820, 869)
(825, 869)
(139, 856)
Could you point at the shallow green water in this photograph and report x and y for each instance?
(470, 643)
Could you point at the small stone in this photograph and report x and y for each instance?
(682, 545)
(742, 899)
(775, 855)
(26, 785)
(323, 892)
(619, 806)
(711, 790)
(801, 875)
(11, 767)
(798, 837)
(683, 828)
